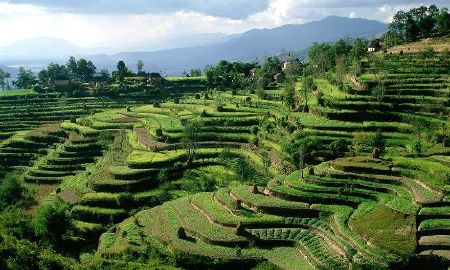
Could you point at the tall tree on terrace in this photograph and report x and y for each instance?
(85, 70)
(190, 139)
(322, 57)
(380, 72)
(122, 71)
(72, 68)
(140, 66)
(359, 48)
(52, 73)
(25, 78)
(292, 70)
(4, 76)
(307, 87)
(289, 95)
(341, 70)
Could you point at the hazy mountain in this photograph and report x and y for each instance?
(39, 48)
(248, 46)
(53, 48)
(184, 41)
(251, 45)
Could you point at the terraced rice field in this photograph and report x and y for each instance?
(132, 180)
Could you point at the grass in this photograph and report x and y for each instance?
(389, 229)
(434, 224)
(428, 171)
(17, 92)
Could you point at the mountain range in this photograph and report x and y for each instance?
(206, 49)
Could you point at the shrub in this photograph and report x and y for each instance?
(364, 142)
(12, 192)
(254, 130)
(338, 147)
(417, 148)
(156, 104)
(219, 108)
(197, 96)
(51, 222)
(159, 132)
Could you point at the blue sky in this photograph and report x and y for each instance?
(119, 23)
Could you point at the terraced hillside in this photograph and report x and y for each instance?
(356, 211)
(230, 179)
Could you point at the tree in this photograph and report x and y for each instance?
(25, 78)
(72, 68)
(307, 87)
(51, 222)
(195, 73)
(4, 76)
(140, 66)
(121, 71)
(380, 72)
(289, 95)
(322, 57)
(359, 48)
(420, 22)
(190, 139)
(85, 70)
(300, 153)
(442, 21)
(11, 191)
(52, 73)
(104, 75)
(391, 39)
(342, 47)
(271, 66)
(341, 70)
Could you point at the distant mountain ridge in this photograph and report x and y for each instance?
(248, 46)
(254, 44)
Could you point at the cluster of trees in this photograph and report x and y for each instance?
(231, 75)
(76, 71)
(4, 79)
(417, 23)
(325, 57)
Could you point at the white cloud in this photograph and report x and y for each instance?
(25, 21)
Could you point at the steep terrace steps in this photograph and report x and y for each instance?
(277, 189)
(69, 158)
(433, 231)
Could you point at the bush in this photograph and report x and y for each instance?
(12, 192)
(219, 108)
(338, 147)
(51, 222)
(156, 104)
(254, 130)
(197, 96)
(364, 142)
(417, 148)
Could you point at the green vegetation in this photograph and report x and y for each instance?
(342, 160)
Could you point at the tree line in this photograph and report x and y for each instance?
(417, 23)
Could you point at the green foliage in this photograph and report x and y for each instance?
(22, 254)
(364, 142)
(301, 152)
(12, 192)
(51, 221)
(338, 148)
(289, 95)
(229, 75)
(25, 78)
(420, 22)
